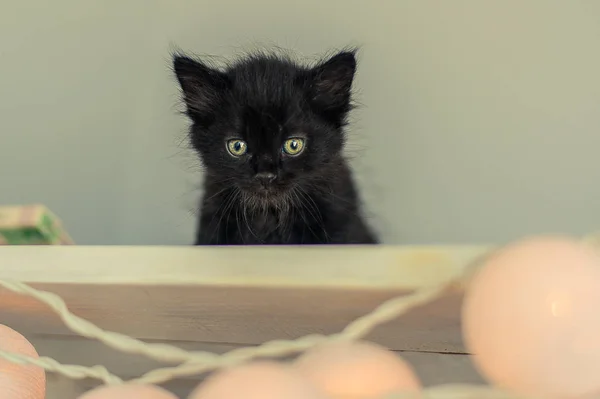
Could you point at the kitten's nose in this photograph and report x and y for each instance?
(265, 177)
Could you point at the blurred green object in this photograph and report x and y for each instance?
(31, 225)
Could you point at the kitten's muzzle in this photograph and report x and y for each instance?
(265, 178)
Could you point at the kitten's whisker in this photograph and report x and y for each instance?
(233, 201)
(313, 205)
(302, 215)
(216, 194)
(228, 205)
(212, 236)
(248, 224)
(336, 197)
(237, 222)
(319, 218)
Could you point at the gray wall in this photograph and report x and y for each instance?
(480, 119)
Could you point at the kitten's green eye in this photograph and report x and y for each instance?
(293, 146)
(236, 147)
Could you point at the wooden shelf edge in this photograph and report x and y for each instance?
(385, 267)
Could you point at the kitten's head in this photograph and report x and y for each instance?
(266, 124)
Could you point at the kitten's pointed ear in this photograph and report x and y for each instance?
(331, 84)
(203, 87)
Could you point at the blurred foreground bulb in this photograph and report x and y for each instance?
(531, 317)
(351, 370)
(258, 380)
(19, 381)
(128, 391)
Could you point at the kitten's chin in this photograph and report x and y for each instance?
(265, 197)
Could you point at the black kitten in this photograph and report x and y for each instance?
(270, 136)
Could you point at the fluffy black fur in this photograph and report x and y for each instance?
(267, 196)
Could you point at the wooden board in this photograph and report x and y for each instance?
(237, 295)
(221, 298)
